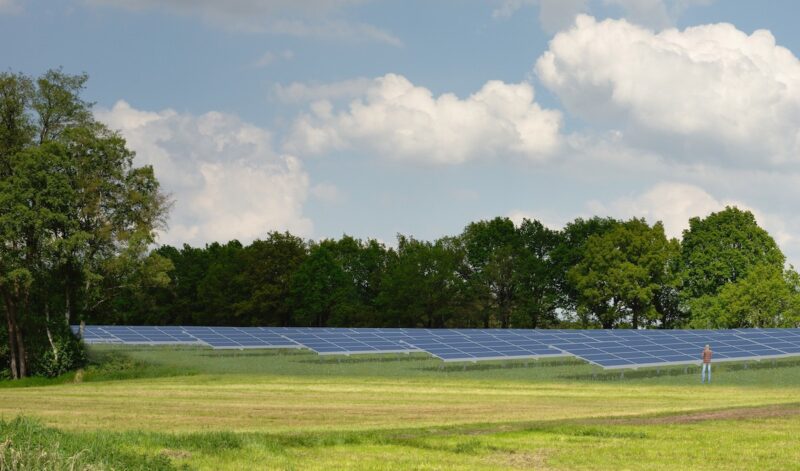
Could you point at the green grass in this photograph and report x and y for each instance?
(259, 409)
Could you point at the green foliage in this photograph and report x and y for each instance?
(266, 270)
(723, 248)
(422, 286)
(766, 297)
(76, 217)
(492, 251)
(594, 272)
(569, 251)
(622, 272)
(65, 354)
(322, 292)
(536, 277)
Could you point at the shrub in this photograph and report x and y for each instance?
(69, 354)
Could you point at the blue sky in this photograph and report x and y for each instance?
(382, 117)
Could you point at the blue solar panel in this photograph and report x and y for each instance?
(650, 348)
(346, 341)
(475, 345)
(607, 348)
(240, 337)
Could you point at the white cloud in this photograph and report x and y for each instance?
(269, 58)
(400, 120)
(669, 202)
(225, 178)
(299, 92)
(300, 18)
(708, 93)
(675, 203)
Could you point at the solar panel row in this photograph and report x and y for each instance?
(606, 348)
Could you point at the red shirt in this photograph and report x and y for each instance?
(707, 356)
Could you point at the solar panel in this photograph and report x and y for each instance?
(240, 337)
(95, 334)
(607, 348)
(634, 348)
(346, 341)
(476, 345)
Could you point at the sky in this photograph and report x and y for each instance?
(374, 118)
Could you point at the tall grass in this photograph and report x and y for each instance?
(27, 445)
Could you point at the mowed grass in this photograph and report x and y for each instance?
(204, 409)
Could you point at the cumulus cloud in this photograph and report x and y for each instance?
(705, 93)
(674, 203)
(224, 177)
(669, 202)
(400, 120)
(300, 18)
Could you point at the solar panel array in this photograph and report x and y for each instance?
(606, 348)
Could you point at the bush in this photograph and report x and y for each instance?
(69, 354)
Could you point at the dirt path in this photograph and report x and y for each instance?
(739, 413)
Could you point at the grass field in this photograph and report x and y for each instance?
(167, 408)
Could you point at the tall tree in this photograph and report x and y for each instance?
(266, 272)
(722, 248)
(492, 248)
(622, 272)
(322, 292)
(365, 263)
(71, 199)
(220, 290)
(535, 276)
(424, 285)
(568, 252)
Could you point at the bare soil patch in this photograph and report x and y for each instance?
(739, 413)
(522, 460)
(176, 454)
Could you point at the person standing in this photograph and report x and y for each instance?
(706, 371)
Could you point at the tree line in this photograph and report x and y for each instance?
(725, 272)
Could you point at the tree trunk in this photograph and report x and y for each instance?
(68, 305)
(21, 356)
(12, 342)
(47, 329)
(18, 364)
